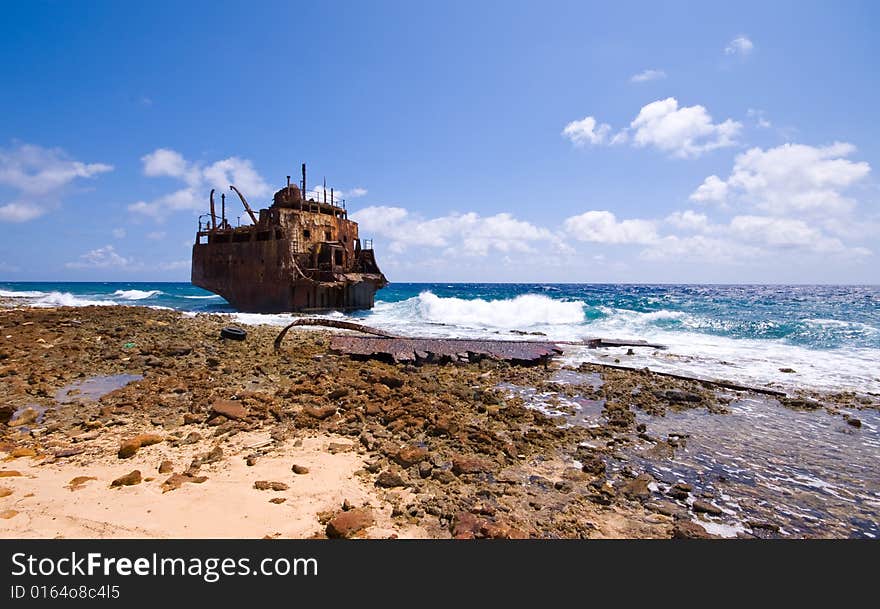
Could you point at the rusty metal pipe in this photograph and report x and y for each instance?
(245, 203)
(223, 210)
(213, 215)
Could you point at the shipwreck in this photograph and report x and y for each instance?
(301, 254)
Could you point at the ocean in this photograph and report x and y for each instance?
(828, 335)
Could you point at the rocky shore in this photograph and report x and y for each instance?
(137, 422)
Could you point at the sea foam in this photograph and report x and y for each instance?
(136, 294)
(523, 311)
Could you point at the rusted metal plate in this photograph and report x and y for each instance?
(438, 350)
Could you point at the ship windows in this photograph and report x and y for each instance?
(327, 235)
(263, 235)
(337, 257)
(307, 234)
(279, 234)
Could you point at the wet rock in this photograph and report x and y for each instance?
(299, 469)
(800, 403)
(761, 525)
(465, 464)
(389, 479)
(348, 523)
(410, 455)
(6, 413)
(686, 529)
(130, 447)
(677, 395)
(229, 409)
(265, 485)
(667, 508)
(637, 488)
(129, 479)
(680, 491)
(853, 422)
(706, 508)
(787, 370)
(166, 467)
(26, 417)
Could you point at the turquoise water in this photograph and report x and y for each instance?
(830, 335)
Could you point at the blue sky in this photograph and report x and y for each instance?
(476, 141)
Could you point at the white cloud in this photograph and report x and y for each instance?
(741, 45)
(700, 248)
(712, 190)
(789, 179)
(469, 233)
(586, 131)
(689, 220)
(198, 180)
(647, 75)
(683, 132)
(118, 233)
(102, 257)
(783, 233)
(156, 235)
(40, 177)
(603, 227)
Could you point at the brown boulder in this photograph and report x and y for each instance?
(131, 446)
(637, 488)
(265, 485)
(129, 479)
(470, 465)
(166, 467)
(347, 523)
(410, 455)
(389, 479)
(229, 409)
(320, 412)
(706, 508)
(686, 529)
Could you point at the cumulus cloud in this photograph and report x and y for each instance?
(100, 258)
(741, 45)
(468, 233)
(40, 178)
(689, 220)
(586, 131)
(789, 179)
(197, 180)
(783, 233)
(647, 75)
(118, 233)
(603, 227)
(760, 118)
(685, 132)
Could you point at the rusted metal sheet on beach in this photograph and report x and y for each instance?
(431, 350)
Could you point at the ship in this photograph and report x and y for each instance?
(302, 254)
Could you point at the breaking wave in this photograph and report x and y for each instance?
(136, 294)
(520, 312)
(203, 297)
(66, 299)
(24, 294)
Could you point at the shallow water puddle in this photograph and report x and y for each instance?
(93, 388)
(810, 473)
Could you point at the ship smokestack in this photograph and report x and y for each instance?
(223, 210)
(304, 181)
(288, 187)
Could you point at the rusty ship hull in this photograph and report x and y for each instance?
(299, 255)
